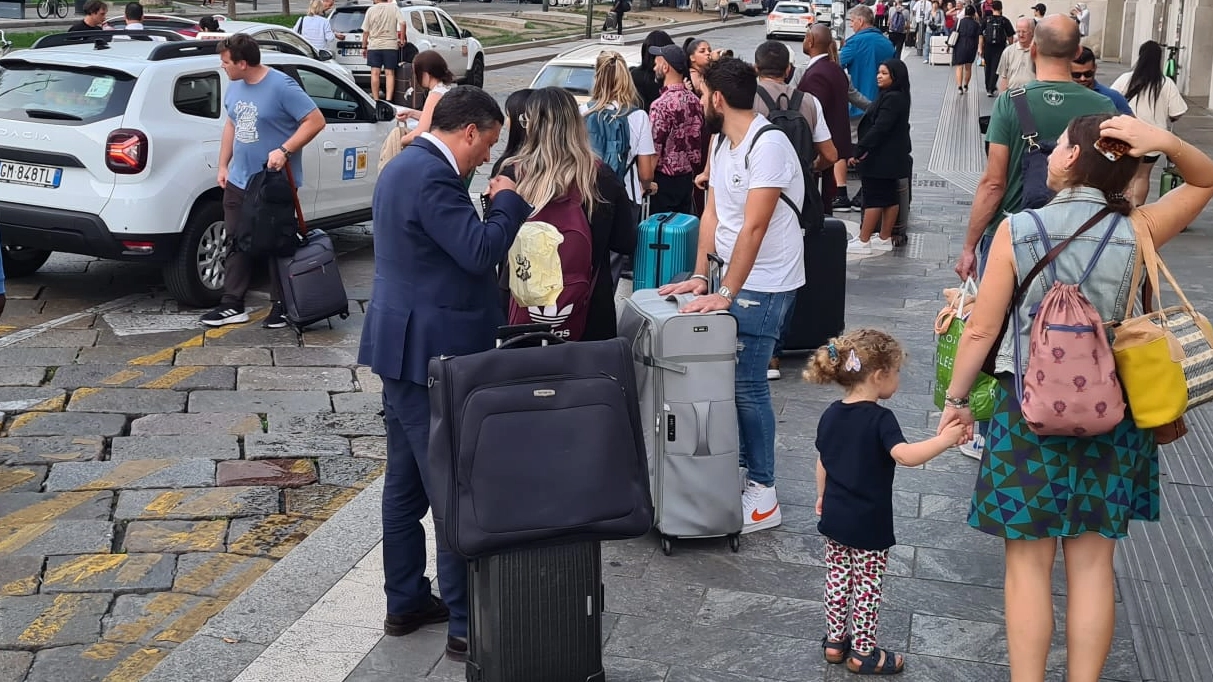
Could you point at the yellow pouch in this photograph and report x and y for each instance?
(1148, 361)
(536, 276)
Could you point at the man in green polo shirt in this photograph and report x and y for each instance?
(1054, 100)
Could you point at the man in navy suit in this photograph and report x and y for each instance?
(435, 293)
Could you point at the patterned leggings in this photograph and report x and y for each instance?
(853, 578)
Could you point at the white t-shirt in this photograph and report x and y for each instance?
(640, 143)
(773, 163)
(1158, 113)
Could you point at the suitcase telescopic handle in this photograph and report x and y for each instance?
(532, 339)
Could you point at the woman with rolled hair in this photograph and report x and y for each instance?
(1033, 490)
(431, 73)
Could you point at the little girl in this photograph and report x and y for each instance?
(861, 445)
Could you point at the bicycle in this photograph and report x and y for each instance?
(6, 45)
(58, 8)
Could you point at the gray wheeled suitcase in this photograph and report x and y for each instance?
(685, 376)
(311, 283)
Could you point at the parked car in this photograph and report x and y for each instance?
(114, 153)
(790, 19)
(746, 7)
(183, 25)
(282, 34)
(429, 28)
(823, 10)
(574, 70)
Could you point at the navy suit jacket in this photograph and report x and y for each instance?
(435, 290)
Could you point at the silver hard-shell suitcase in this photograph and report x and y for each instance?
(686, 364)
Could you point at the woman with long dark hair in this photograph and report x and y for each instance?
(699, 54)
(964, 52)
(1155, 99)
(515, 122)
(883, 156)
(643, 76)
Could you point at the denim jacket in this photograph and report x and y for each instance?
(1108, 285)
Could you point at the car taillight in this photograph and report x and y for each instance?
(775, 15)
(126, 151)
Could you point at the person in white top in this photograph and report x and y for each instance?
(1155, 99)
(755, 173)
(430, 72)
(315, 28)
(615, 91)
(1083, 16)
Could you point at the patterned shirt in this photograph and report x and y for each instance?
(677, 117)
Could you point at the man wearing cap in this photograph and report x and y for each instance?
(1038, 12)
(677, 117)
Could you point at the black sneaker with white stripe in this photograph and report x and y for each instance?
(276, 319)
(225, 314)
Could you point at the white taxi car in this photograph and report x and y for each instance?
(262, 31)
(109, 147)
(574, 70)
(790, 19)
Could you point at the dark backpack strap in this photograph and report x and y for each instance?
(1027, 123)
(767, 99)
(795, 102)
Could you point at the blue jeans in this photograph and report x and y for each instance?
(784, 329)
(983, 253)
(760, 318)
(406, 408)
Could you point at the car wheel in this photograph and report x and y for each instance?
(476, 73)
(195, 277)
(770, 36)
(20, 261)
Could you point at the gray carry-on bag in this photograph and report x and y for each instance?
(311, 284)
(685, 367)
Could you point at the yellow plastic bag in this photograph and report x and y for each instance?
(536, 278)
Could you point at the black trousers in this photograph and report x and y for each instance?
(673, 194)
(992, 57)
(238, 267)
(899, 42)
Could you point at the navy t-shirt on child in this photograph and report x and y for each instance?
(855, 440)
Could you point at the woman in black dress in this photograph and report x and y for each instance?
(883, 156)
(964, 52)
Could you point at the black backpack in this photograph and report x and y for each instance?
(995, 31)
(271, 226)
(784, 114)
(1034, 164)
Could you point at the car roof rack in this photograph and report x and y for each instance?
(196, 48)
(100, 39)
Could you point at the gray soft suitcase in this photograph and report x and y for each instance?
(312, 290)
(685, 376)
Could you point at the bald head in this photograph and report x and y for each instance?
(818, 39)
(1057, 38)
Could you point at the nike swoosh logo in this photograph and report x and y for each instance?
(758, 516)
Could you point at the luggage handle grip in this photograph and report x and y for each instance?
(529, 339)
(701, 426)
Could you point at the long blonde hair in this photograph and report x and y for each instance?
(315, 8)
(555, 157)
(613, 84)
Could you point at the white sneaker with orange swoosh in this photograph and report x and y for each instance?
(760, 507)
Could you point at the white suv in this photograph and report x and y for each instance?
(109, 146)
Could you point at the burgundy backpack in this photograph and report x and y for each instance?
(1069, 386)
(568, 317)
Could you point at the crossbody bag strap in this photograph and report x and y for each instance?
(290, 177)
(1027, 122)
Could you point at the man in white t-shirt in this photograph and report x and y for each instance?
(751, 227)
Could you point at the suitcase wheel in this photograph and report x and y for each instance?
(667, 545)
(735, 542)
(344, 315)
(900, 239)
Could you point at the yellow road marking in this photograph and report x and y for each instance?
(196, 341)
(50, 405)
(101, 651)
(206, 572)
(173, 377)
(84, 392)
(121, 377)
(191, 622)
(137, 665)
(22, 420)
(48, 624)
(19, 587)
(165, 502)
(21, 536)
(155, 611)
(127, 472)
(46, 510)
(11, 478)
(84, 567)
(206, 536)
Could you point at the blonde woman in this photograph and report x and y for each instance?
(556, 164)
(315, 28)
(613, 97)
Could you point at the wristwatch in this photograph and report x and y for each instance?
(959, 403)
(285, 151)
(726, 292)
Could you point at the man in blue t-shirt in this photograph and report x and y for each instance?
(269, 121)
(1082, 70)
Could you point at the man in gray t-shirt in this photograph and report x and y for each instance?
(269, 121)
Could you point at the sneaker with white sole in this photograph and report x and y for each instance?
(224, 314)
(773, 373)
(879, 244)
(759, 507)
(276, 319)
(855, 246)
(973, 447)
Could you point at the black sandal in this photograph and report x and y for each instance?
(843, 646)
(870, 664)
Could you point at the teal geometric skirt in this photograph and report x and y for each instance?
(1033, 487)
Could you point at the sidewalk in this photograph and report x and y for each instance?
(706, 614)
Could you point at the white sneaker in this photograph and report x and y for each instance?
(857, 247)
(974, 447)
(760, 508)
(879, 244)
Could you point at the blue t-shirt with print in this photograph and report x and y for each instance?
(265, 115)
(855, 441)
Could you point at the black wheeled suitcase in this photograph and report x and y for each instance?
(535, 615)
(820, 308)
(312, 289)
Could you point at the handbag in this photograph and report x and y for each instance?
(953, 37)
(949, 325)
(1164, 355)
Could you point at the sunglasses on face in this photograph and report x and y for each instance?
(1082, 75)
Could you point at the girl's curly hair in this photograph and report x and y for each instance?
(874, 349)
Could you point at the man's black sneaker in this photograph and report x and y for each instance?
(457, 648)
(842, 203)
(275, 319)
(224, 314)
(857, 202)
(402, 624)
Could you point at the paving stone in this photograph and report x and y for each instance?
(19, 576)
(161, 619)
(46, 620)
(374, 447)
(315, 357)
(96, 662)
(61, 338)
(67, 424)
(56, 537)
(227, 357)
(22, 479)
(134, 401)
(23, 398)
(36, 357)
(17, 508)
(126, 355)
(271, 536)
(175, 537)
(112, 573)
(347, 332)
(51, 449)
(266, 445)
(14, 665)
(273, 402)
(221, 576)
(180, 378)
(22, 376)
(291, 378)
(132, 474)
(197, 424)
(350, 472)
(198, 446)
(366, 403)
(345, 424)
(282, 473)
(196, 503)
(318, 501)
(368, 381)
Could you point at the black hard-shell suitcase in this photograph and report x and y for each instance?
(820, 305)
(535, 615)
(312, 289)
(905, 194)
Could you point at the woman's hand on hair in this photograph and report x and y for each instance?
(1141, 137)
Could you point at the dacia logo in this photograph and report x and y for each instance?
(23, 135)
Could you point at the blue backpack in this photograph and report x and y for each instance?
(611, 139)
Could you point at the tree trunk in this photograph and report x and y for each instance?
(286, 8)
(231, 8)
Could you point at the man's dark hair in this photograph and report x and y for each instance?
(134, 11)
(466, 105)
(771, 59)
(94, 6)
(1057, 38)
(1086, 56)
(241, 47)
(734, 79)
(996, 5)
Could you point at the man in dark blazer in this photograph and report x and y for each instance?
(435, 293)
(825, 80)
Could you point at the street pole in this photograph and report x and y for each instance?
(286, 8)
(545, 5)
(231, 8)
(589, 19)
